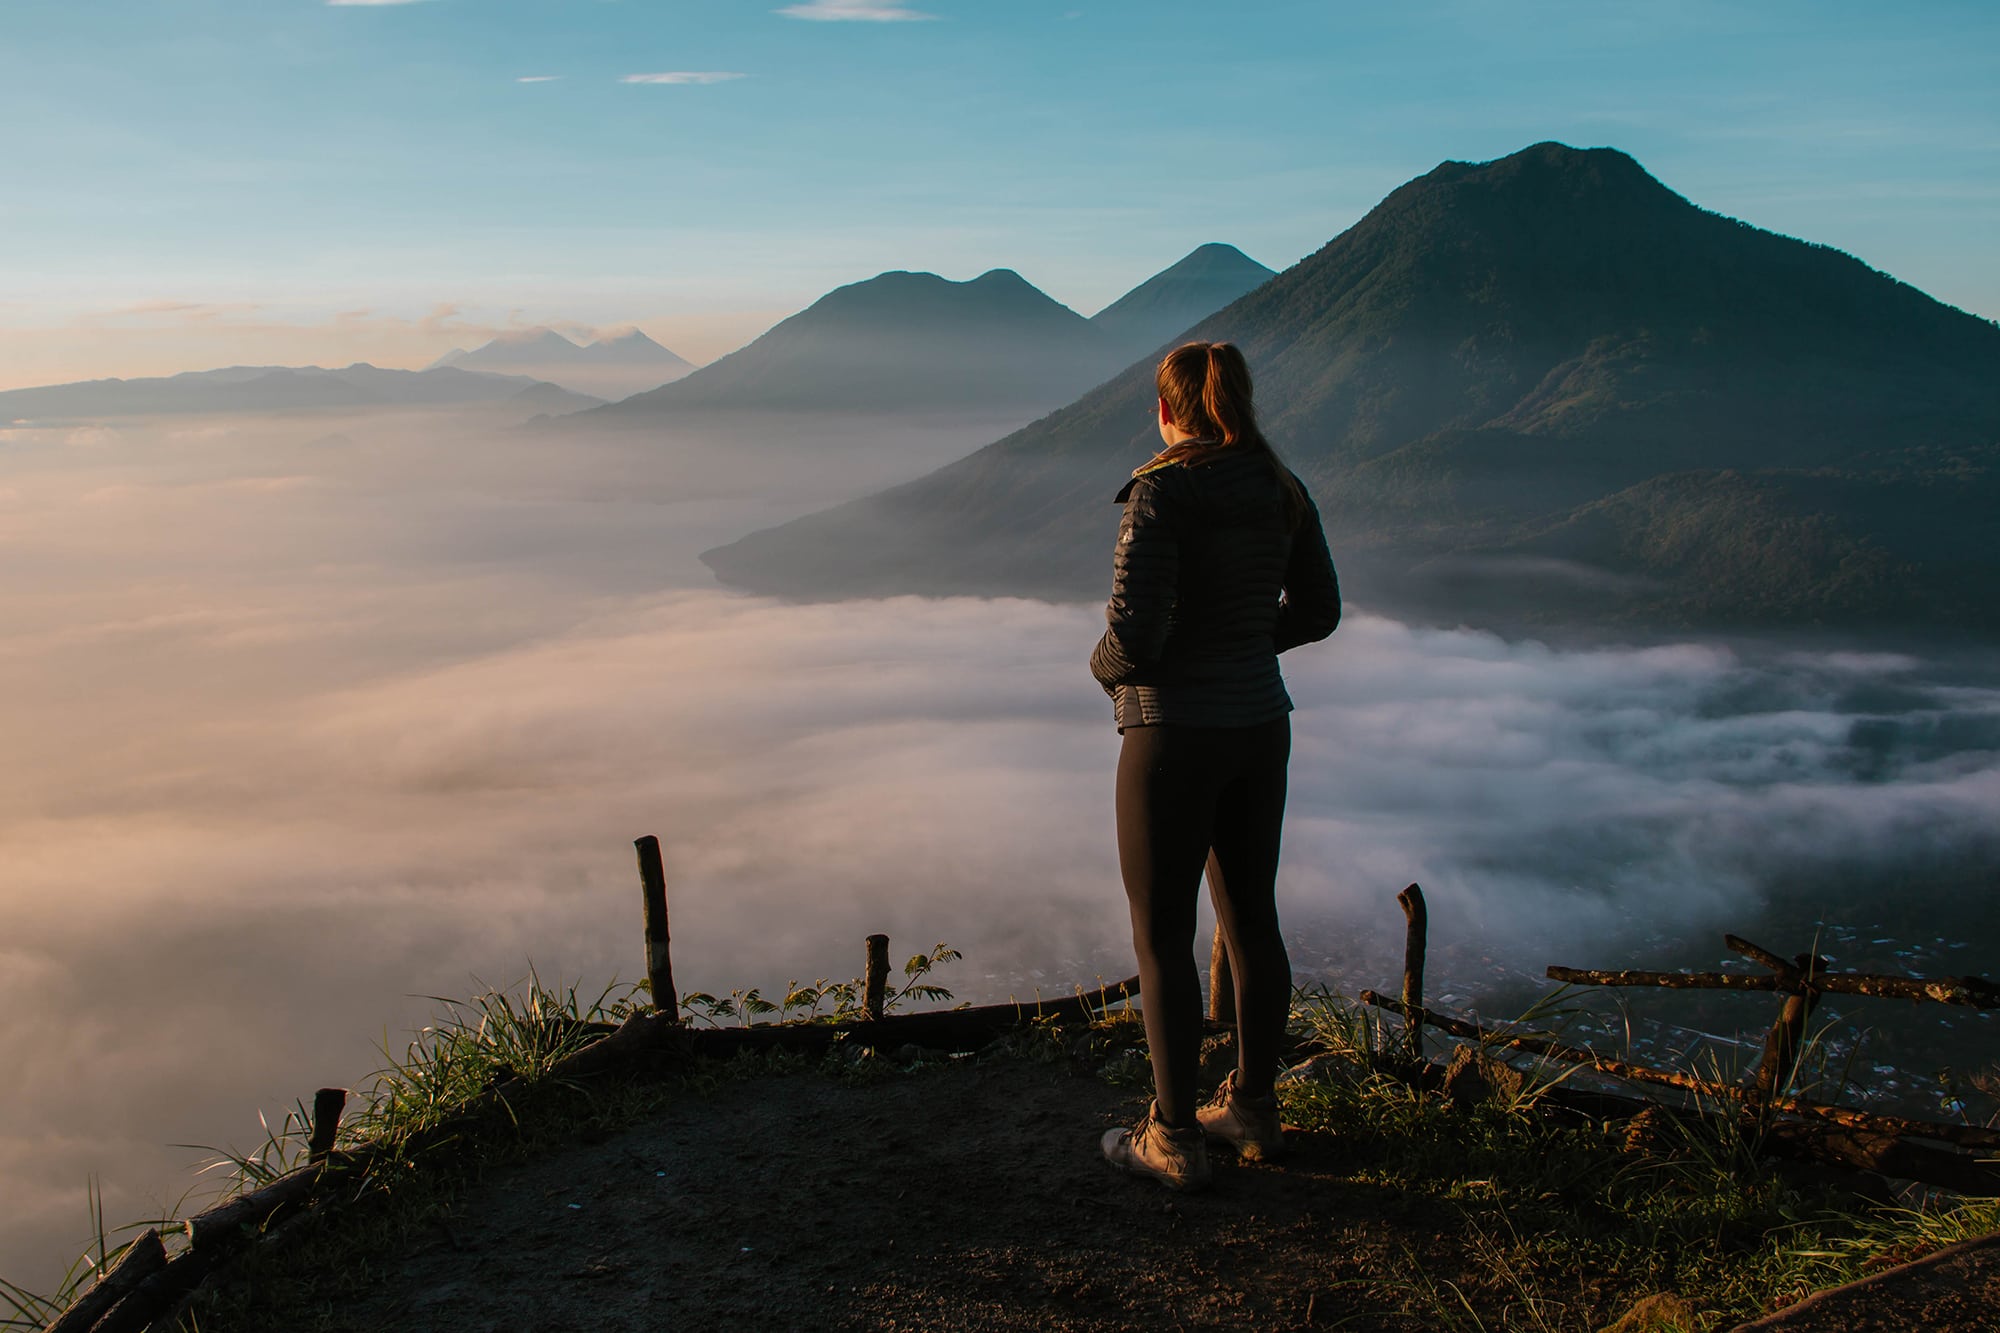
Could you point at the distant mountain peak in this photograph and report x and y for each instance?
(905, 340)
(912, 299)
(1180, 296)
(1002, 277)
(632, 337)
(632, 349)
(538, 338)
(612, 367)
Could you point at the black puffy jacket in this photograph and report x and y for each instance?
(1209, 585)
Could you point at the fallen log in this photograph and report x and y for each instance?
(157, 1297)
(948, 1029)
(1966, 1136)
(1556, 1050)
(1966, 992)
(1881, 1151)
(943, 1029)
(1592, 976)
(142, 1258)
(636, 1035)
(228, 1224)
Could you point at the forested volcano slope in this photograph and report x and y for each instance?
(1543, 385)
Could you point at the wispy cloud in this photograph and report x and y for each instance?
(853, 11)
(538, 78)
(186, 310)
(684, 76)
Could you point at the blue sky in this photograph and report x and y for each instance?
(203, 181)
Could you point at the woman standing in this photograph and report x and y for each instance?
(1221, 565)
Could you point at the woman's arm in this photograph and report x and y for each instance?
(1145, 574)
(1311, 605)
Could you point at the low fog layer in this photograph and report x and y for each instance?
(313, 718)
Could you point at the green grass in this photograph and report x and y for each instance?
(1561, 1229)
(424, 1150)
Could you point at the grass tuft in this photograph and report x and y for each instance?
(1563, 1229)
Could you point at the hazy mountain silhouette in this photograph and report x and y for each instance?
(281, 388)
(1175, 299)
(614, 367)
(508, 350)
(1546, 385)
(544, 398)
(901, 342)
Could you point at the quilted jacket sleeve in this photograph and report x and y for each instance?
(1311, 606)
(1145, 572)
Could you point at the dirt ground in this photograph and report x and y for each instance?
(971, 1196)
(1957, 1288)
(799, 1203)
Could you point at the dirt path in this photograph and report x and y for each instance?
(797, 1203)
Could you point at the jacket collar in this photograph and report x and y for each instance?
(1155, 464)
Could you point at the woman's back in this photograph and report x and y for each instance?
(1212, 578)
(1221, 565)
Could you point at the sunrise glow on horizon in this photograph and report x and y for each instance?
(320, 183)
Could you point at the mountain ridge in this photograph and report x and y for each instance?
(899, 341)
(1205, 280)
(1491, 348)
(624, 363)
(277, 388)
(909, 340)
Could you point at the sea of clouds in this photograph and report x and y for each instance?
(309, 720)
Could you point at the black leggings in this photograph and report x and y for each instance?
(1184, 792)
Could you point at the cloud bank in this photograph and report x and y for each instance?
(318, 716)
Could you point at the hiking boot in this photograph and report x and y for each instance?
(1177, 1158)
(1249, 1124)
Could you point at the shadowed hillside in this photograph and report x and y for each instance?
(1207, 279)
(1545, 385)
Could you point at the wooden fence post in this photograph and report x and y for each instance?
(1221, 980)
(1414, 943)
(877, 976)
(1787, 1038)
(1221, 983)
(659, 960)
(328, 1103)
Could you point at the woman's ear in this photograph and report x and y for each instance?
(1166, 413)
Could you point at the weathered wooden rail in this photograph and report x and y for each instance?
(145, 1288)
(1792, 1126)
